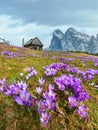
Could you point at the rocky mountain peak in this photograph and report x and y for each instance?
(73, 40)
(97, 36)
(71, 30)
(92, 38)
(58, 33)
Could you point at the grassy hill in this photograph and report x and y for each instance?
(77, 69)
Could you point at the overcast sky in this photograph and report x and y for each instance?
(30, 18)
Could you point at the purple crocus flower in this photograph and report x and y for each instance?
(33, 55)
(89, 77)
(41, 81)
(22, 85)
(82, 96)
(50, 104)
(34, 72)
(5, 52)
(50, 71)
(27, 77)
(51, 87)
(8, 93)
(21, 74)
(77, 88)
(31, 72)
(39, 90)
(61, 86)
(82, 111)
(52, 95)
(23, 98)
(13, 89)
(60, 82)
(30, 75)
(72, 101)
(3, 85)
(44, 118)
(31, 101)
(41, 106)
(95, 64)
(49, 95)
(30, 69)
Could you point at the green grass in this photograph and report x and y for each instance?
(15, 117)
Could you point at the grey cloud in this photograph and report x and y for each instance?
(53, 12)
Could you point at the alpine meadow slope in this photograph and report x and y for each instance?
(48, 90)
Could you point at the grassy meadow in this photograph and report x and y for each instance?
(16, 60)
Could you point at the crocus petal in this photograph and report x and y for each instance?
(18, 100)
(24, 95)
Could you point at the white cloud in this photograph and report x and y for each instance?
(15, 29)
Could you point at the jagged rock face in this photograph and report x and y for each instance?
(94, 45)
(73, 40)
(57, 40)
(77, 39)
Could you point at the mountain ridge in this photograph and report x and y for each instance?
(73, 40)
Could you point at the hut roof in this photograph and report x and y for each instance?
(34, 41)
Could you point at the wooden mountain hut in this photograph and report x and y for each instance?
(34, 44)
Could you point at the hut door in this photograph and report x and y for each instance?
(35, 47)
